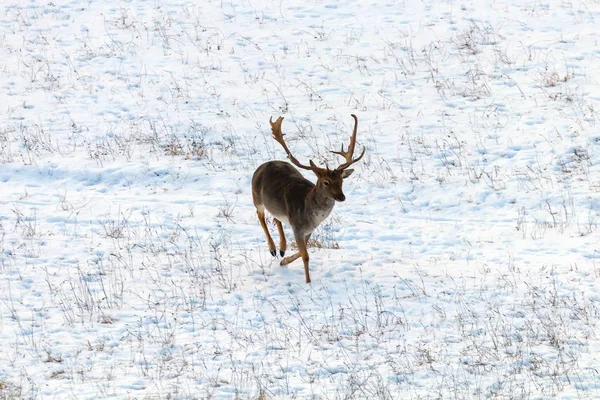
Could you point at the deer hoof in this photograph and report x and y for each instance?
(282, 252)
(273, 252)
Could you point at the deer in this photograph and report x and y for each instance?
(282, 191)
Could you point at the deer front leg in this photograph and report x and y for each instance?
(290, 259)
(282, 242)
(301, 241)
(263, 223)
(294, 257)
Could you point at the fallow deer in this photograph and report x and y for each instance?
(280, 189)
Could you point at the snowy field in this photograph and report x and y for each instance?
(464, 264)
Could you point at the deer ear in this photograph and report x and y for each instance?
(346, 173)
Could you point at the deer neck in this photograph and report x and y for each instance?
(319, 202)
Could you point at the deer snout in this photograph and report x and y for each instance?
(340, 197)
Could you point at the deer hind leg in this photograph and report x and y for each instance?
(282, 242)
(301, 241)
(263, 223)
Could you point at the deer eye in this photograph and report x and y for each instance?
(326, 183)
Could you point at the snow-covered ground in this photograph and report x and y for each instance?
(465, 262)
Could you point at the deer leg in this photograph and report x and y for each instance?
(263, 223)
(301, 241)
(282, 242)
(290, 259)
(306, 238)
(302, 252)
(296, 256)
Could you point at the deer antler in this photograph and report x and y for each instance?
(348, 154)
(278, 136)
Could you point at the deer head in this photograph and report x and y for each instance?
(329, 181)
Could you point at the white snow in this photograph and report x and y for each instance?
(465, 262)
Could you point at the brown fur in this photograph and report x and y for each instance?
(280, 189)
